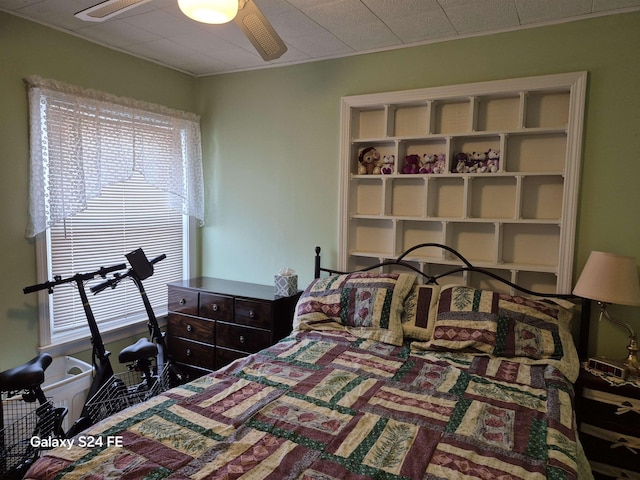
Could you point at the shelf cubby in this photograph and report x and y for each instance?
(411, 120)
(537, 281)
(498, 113)
(444, 196)
(485, 282)
(367, 196)
(492, 196)
(473, 143)
(404, 192)
(414, 232)
(432, 146)
(530, 244)
(451, 116)
(370, 123)
(547, 109)
(541, 152)
(542, 197)
(373, 235)
(476, 240)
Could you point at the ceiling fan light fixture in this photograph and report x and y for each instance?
(209, 11)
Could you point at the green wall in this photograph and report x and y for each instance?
(26, 49)
(270, 144)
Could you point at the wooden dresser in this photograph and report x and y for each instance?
(213, 322)
(609, 417)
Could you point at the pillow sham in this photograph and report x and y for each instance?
(500, 324)
(419, 312)
(367, 305)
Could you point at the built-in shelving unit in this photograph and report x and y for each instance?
(518, 221)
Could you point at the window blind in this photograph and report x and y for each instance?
(126, 216)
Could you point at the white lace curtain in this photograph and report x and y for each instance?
(83, 140)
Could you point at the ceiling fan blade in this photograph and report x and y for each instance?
(108, 9)
(259, 31)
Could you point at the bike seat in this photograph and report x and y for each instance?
(28, 375)
(143, 348)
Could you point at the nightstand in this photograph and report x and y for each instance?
(608, 414)
(212, 322)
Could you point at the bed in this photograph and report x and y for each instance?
(386, 375)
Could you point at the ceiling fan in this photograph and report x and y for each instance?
(249, 18)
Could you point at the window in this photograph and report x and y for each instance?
(108, 175)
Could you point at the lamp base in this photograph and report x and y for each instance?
(632, 362)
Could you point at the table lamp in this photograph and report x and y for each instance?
(611, 278)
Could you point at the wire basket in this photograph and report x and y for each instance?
(23, 422)
(124, 390)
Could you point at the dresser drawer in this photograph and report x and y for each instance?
(253, 313)
(224, 357)
(216, 307)
(610, 447)
(611, 411)
(241, 338)
(192, 328)
(183, 301)
(192, 353)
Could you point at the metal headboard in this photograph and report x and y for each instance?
(583, 339)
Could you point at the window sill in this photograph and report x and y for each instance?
(116, 334)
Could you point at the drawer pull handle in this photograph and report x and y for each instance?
(183, 301)
(627, 407)
(189, 328)
(627, 443)
(214, 307)
(189, 353)
(242, 339)
(252, 314)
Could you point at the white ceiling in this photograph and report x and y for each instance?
(312, 29)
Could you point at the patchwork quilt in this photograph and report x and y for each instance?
(328, 405)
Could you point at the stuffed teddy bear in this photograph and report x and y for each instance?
(493, 160)
(477, 160)
(441, 163)
(368, 161)
(388, 162)
(427, 163)
(462, 162)
(411, 164)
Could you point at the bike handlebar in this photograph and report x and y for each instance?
(78, 277)
(113, 282)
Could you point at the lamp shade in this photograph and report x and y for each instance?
(209, 11)
(609, 278)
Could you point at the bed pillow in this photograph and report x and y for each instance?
(368, 305)
(501, 325)
(419, 312)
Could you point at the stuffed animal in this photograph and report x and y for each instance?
(493, 160)
(476, 161)
(411, 164)
(462, 160)
(441, 163)
(387, 164)
(427, 163)
(368, 161)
